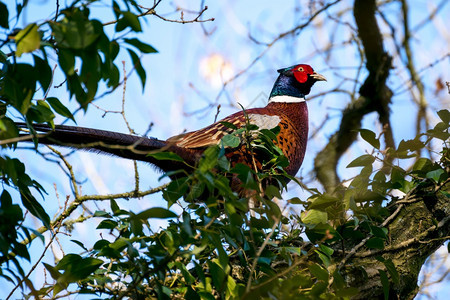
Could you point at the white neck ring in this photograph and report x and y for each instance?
(286, 99)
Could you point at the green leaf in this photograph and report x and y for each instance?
(114, 207)
(76, 267)
(228, 125)
(40, 113)
(45, 72)
(66, 61)
(28, 39)
(79, 244)
(385, 282)
(296, 200)
(176, 189)
(440, 131)
(186, 274)
(411, 145)
(293, 250)
(128, 20)
(444, 114)
(166, 156)
(76, 31)
(370, 137)
(314, 216)
(107, 224)
(230, 140)
(327, 250)
(53, 271)
(4, 16)
(8, 129)
(392, 270)
(19, 86)
(324, 258)
(319, 272)
(217, 273)
(143, 47)
(101, 213)
(362, 161)
(380, 232)
(322, 201)
(375, 243)
(34, 207)
(60, 108)
(138, 67)
(435, 174)
(209, 159)
(156, 213)
(319, 289)
(100, 244)
(422, 164)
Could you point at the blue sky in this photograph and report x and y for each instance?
(181, 79)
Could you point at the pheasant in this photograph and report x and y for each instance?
(286, 109)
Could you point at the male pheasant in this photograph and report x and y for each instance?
(286, 109)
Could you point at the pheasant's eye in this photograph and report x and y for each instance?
(300, 69)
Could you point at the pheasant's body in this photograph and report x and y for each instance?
(292, 118)
(286, 109)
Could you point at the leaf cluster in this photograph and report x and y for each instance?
(86, 54)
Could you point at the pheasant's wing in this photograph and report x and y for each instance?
(212, 134)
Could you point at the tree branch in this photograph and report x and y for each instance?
(374, 96)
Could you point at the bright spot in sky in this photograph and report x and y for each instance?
(216, 70)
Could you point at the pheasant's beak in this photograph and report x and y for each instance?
(318, 77)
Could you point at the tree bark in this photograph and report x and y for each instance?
(417, 231)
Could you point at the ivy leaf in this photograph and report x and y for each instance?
(370, 137)
(143, 47)
(380, 232)
(59, 108)
(435, 174)
(385, 283)
(80, 244)
(231, 140)
(314, 216)
(45, 72)
(176, 189)
(155, 213)
(4, 16)
(34, 207)
(28, 39)
(228, 125)
(440, 131)
(411, 145)
(209, 159)
(375, 243)
(138, 66)
(444, 114)
(107, 224)
(185, 272)
(319, 272)
(296, 200)
(392, 270)
(362, 161)
(129, 20)
(322, 201)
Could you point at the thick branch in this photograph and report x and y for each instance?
(416, 232)
(374, 96)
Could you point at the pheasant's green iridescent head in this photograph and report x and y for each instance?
(294, 82)
(302, 73)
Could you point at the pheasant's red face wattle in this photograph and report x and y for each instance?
(301, 72)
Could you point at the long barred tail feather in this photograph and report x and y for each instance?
(108, 142)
